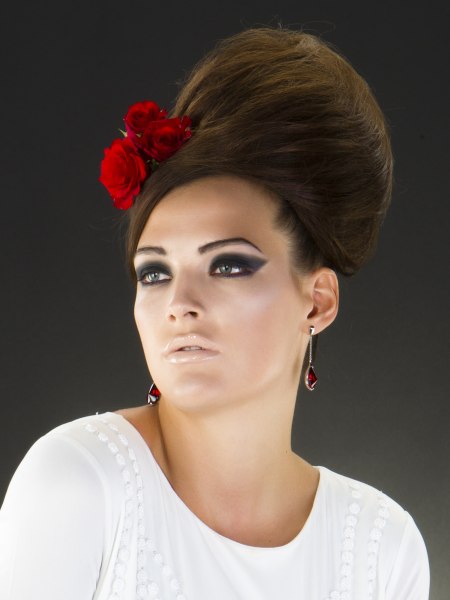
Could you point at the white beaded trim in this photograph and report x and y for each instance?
(374, 542)
(348, 542)
(347, 557)
(145, 587)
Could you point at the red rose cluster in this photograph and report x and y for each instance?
(149, 139)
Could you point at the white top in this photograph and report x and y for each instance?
(90, 515)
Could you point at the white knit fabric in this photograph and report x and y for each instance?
(90, 515)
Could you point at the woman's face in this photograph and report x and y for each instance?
(213, 272)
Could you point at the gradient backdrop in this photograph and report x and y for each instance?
(69, 346)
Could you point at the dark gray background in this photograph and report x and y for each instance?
(69, 346)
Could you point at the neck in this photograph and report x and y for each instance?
(234, 464)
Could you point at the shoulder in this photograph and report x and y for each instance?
(80, 458)
(63, 508)
(379, 527)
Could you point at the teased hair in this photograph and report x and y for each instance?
(284, 109)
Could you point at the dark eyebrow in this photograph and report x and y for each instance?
(202, 249)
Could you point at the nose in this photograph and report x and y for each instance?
(185, 301)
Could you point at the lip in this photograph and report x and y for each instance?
(191, 356)
(174, 347)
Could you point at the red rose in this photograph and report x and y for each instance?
(139, 117)
(123, 172)
(162, 138)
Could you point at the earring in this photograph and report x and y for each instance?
(310, 375)
(153, 395)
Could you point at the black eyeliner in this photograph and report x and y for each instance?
(252, 262)
(150, 268)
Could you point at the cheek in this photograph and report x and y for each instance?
(261, 319)
(145, 318)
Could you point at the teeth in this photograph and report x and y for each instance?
(191, 348)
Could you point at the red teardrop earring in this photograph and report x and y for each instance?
(310, 375)
(153, 395)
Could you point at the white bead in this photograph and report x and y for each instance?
(380, 523)
(384, 513)
(375, 534)
(334, 595)
(141, 590)
(355, 485)
(125, 538)
(128, 523)
(345, 583)
(123, 554)
(119, 569)
(123, 439)
(347, 544)
(120, 459)
(175, 584)
(356, 494)
(371, 574)
(131, 454)
(349, 532)
(102, 436)
(354, 508)
(347, 557)
(351, 520)
(136, 466)
(112, 446)
(346, 570)
(153, 588)
(142, 559)
(113, 427)
(128, 490)
(126, 476)
(139, 483)
(167, 571)
(157, 557)
(91, 428)
(141, 576)
(141, 544)
(118, 585)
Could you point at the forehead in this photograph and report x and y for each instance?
(212, 206)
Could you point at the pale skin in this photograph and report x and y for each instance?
(221, 431)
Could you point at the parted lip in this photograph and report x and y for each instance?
(191, 339)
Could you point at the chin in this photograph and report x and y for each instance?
(195, 394)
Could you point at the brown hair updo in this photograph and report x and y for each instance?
(283, 109)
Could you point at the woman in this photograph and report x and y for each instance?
(273, 175)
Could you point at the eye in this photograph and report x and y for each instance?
(236, 266)
(152, 274)
(229, 268)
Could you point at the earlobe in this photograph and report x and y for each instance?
(324, 292)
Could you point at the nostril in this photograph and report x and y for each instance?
(179, 313)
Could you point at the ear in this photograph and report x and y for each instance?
(323, 290)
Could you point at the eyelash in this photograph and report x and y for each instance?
(250, 267)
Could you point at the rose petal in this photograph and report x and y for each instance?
(122, 172)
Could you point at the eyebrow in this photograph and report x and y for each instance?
(202, 249)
